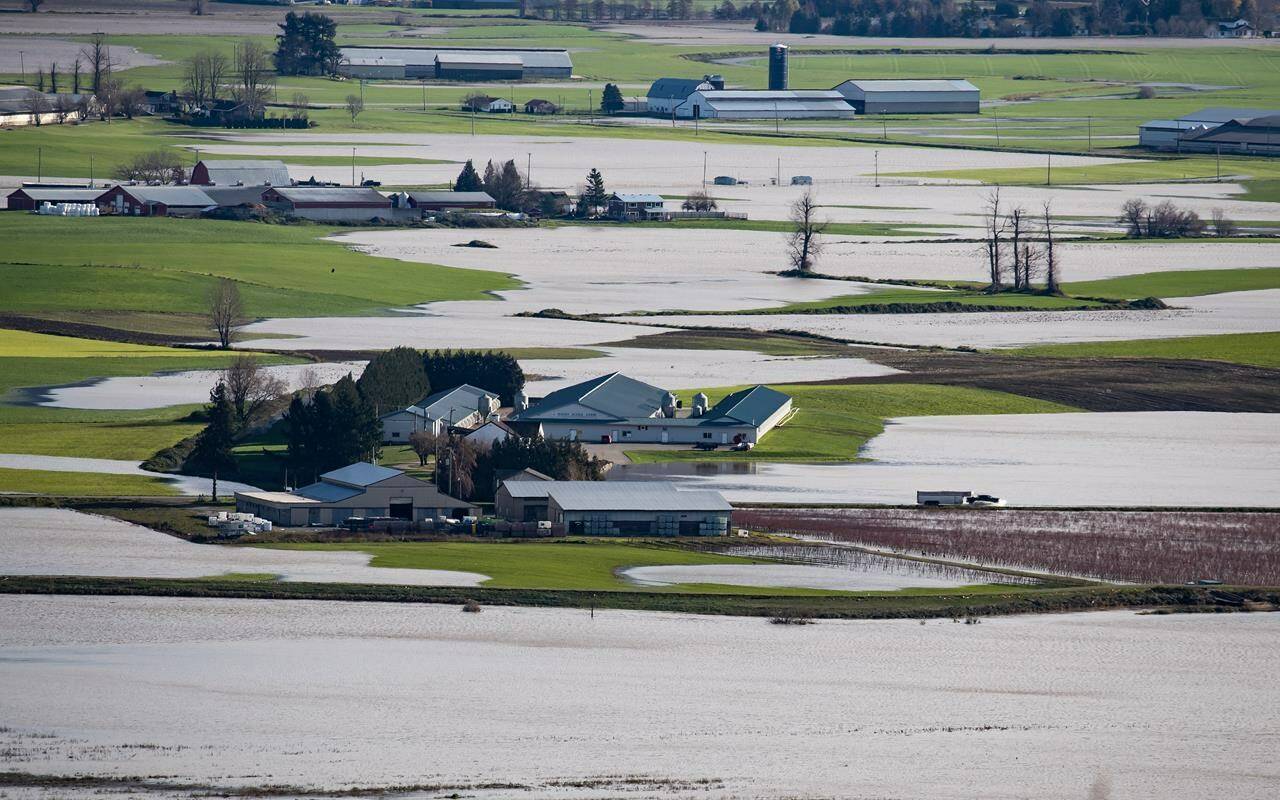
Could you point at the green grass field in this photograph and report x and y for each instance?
(1257, 349)
(832, 423)
(767, 344)
(915, 297)
(1186, 283)
(111, 265)
(80, 484)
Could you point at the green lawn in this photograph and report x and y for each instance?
(80, 484)
(1258, 349)
(1184, 283)
(832, 423)
(118, 264)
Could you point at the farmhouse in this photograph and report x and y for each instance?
(30, 196)
(782, 104)
(455, 63)
(328, 203)
(943, 96)
(539, 106)
(631, 207)
(155, 201)
(241, 173)
(615, 408)
(667, 93)
(357, 490)
(463, 406)
(488, 105)
(615, 508)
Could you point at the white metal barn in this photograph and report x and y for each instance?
(911, 96)
(741, 104)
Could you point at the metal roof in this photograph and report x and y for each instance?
(235, 195)
(659, 496)
(330, 194)
(59, 195)
(676, 88)
(1172, 124)
(926, 85)
(1226, 114)
(190, 196)
(453, 405)
(360, 474)
(249, 173)
(614, 394)
(779, 95)
(651, 199)
(752, 406)
(322, 492)
(1259, 130)
(375, 62)
(501, 59)
(451, 197)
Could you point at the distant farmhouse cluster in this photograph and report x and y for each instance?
(1247, 131)
(247, 185)
(455, 63)
(608, 409)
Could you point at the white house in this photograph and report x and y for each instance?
(463, 406)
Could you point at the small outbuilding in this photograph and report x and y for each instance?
(29, 198)
(463, 406)
(937, 96)
(615, 508)
(542, 107)
(358, 490)
(451, 201)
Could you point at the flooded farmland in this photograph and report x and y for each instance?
(220, 695)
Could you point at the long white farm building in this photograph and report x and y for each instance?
(456, 63)
(944, 96)
(782, 104)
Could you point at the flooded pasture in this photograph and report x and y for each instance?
(1161, 458)
(47, 541)
(185, 484)
(229, 695)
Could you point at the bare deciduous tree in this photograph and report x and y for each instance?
(64, 106)
(76, 67)
(455, 465)
(110, 94)
(299, 105)
(252, 390)
(197, 7)
(226, 311)
(158, 166)
(803, 243)
(53, 78)
(1016, 224)
(132, 101)
(994, 243)
(37, 106)
(202, 76)
(1132, 215)
(354, 106)
(34, 5)
(98, 56)
(1052, 269)
(1222, 224)
(251, 68)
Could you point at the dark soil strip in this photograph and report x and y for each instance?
(1177, 598)
(86, 330)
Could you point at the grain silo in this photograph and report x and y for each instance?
(778, 67)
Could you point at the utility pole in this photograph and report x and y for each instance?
(778, 179)
(424, 96)
(22, 65)
(1048, 171)
(1089, 149)
(884, 129)
(528, 169)
(877, 169)
(353, 166)
(1217, 162)
(775, 117)
(704, 169)
(591, 108)
(91, 170)
(473, 119)
(39, 164)
(997, 119)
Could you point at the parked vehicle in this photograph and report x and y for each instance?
(801, 180)
(705, 446)
(984, 500)
(725, 180)
(742, 447)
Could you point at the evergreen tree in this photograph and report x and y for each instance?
(212, 452)
(356, 432)
(505, 186)
(305, 45)
(300, 437)
(611, 99)
(490, 178)
(394, 379)
(594, 196)
(496, 372)
(468, 180)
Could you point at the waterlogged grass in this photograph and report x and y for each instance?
(532, 565)
(1256, 349)
(913, 297)
(832, 423)
(781, 226)
(1189, 283)
(1199, 168)
(751, 341)
(116, 265)
(80, 484)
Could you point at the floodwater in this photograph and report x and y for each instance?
(245, 693)
(1159, 458)
(46, 541)
(1231, 312)
(177, 388)
(186, 484)
(834, 568)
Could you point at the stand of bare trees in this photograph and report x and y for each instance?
(37, 106)
(1161, 221)
(226, 310)
(203, 75)
(699, 200)
(97, 54)
(254, 392)
(1222, 224)
(1030, 253)
(354, 106)
(803, 245)
(157, 166)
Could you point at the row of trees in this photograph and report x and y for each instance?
(1165, 220)
(513, 191)
(1019, 248)
(332, 428)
